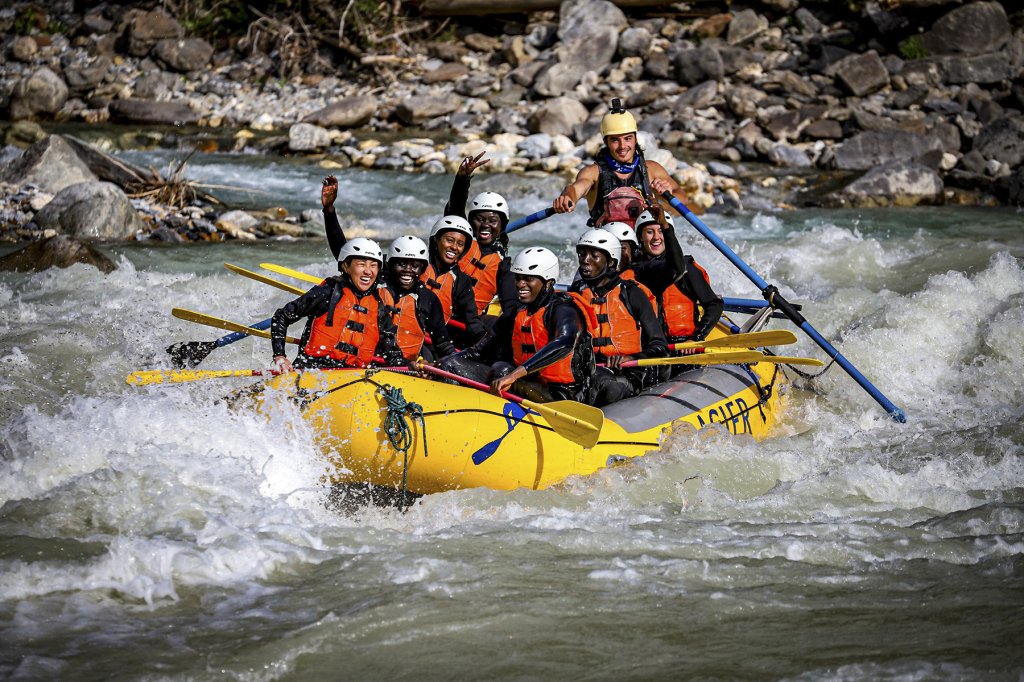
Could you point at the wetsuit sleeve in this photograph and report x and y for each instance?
(652, 338)
(568, 328)
(335, 235)
(495, 345)
(312, 303)
(507, 286)
(458, 197)
(433, 323)
(711, 304)
(464, 306)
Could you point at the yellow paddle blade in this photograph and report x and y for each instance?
(210, 321)
(723, 358)
(770, 337)
(264, 279)
(179, 376)
(781, 360)
(571, 420)
(288, 272)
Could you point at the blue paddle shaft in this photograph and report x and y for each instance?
(238, 336)
(530, 219)
(774, 298)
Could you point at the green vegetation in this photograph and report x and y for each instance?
(913, 48)
(31, 20)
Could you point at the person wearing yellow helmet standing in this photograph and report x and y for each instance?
(621, 182)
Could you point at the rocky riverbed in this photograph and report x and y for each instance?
(895, 103)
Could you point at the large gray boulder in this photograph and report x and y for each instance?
(160, 113)
(146, 29)
(91, 210)
(348, 112)
(588, 31)
(183, 55)
(40, 92)
(982, 69)
(745, 26)
(306, 137)
(975, 28)
(419, 108)
(874, 148)
(1002, 140)
(862, 74)
(61, 251)
(697, 65)
(557, 117)
(81, 78)
(50, 164)
(899, 183)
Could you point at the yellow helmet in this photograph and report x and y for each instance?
(617, 121)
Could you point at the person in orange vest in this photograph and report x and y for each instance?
(621, 181)
(689, 307)
(486, 262)
(628, 327)
(349, 319)
(418, 317)
(542, 350)
(449, 241)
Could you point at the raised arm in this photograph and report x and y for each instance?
(335, 235)
(576, 190)
(459, 195)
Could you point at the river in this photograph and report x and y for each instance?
(154, 534)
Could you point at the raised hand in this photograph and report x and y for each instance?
(329, 191)
(471, 163)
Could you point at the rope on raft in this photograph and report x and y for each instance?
(399, 430)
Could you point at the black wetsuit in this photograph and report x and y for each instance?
(314, 303)
(491, 357)
(607, 181)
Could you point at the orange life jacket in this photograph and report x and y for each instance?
(630, 274)
(618, 332)
(410, 333)
(443, 287)
(530, 334)
(349, 333)
(678, 311)
(482, 270)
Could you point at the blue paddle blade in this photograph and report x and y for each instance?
(513, 415)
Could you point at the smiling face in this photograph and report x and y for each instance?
(486, 226)
(450, 246)
(529, 287)
(362, 271)
(405, 272)
(593, 262)
(621, 147)
(653, 239)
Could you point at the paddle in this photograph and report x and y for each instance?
(726, 358)
(772, 295)
(771, 337)
(571, 420)
(191, 353)
(179, 376)
(210, 321)
(289, 272)
(520, 223)
(264, 279)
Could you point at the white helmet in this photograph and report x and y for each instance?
(361, 247)
(408, 247)
(602, 241)
(452, 222)
(646, 218)
(489, 201)
(622, 231)
(536, 261)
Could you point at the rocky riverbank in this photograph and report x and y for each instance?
(896, 103)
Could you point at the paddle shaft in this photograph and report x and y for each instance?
(776, 300)
(529, 220)
(469, 382)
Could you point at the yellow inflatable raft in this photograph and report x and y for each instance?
(469, 438)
